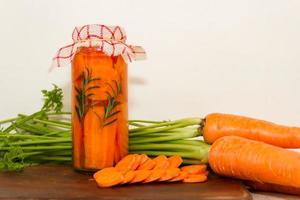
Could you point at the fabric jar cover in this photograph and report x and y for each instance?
(108, 39)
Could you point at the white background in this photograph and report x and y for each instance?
(229, 56)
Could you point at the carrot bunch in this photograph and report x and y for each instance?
(139, 168)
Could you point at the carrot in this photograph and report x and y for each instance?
(128, 176)
(137, 162)
(175, 161)
(268, 187)
(155, 175)
(144, 158)
(140, 176)
(246, 159)
(126, 163)
(122, 129)
(161, 162)
(182, 175)
(194, 169)
(195, 178)
(169, 174)
(217, 125)
(149, 164)
(108, 177)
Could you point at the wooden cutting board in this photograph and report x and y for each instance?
(61, 182)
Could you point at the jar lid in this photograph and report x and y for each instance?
(109, 39)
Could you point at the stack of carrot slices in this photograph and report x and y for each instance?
(135, 168)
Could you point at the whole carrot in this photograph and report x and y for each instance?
(246, 159)
(217, 125)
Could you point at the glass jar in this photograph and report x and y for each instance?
(99, 56)
(99, 109)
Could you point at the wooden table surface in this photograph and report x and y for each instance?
(61, 182)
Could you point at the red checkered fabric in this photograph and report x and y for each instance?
(109, 39)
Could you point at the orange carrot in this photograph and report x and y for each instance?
(137, 162)
(175, 161)
(182, 175)
(149, 164)
(217, 125)
(194, 169)
(140, 175)
(126, 163)
(155, 175)
(195, 178)
(144, 158)
(161, 162)
(128, 177)
(108, 177)
(246, 159)
(268, 187)
(169, 174)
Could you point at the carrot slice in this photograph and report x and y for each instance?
(149, 164)
(175, 161)
(140, 175)
(126, 163)
(108, 177)
(137, 162)
(161, 162)
(194, 169)
(128, 177)
(195, 178)
(144, 158)
(155, 175)
(170, 173)
(182, 175)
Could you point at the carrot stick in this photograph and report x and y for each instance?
(218, 125)
(194, 169)
(122, 129)
(155, 175)
(195, 178)
(126, 163)
(107, 143)
(128, 176)
(182, 175)
(161, 162)
(175, 161)
(148, 165)
(108, 177)
(140, 175)
(246, 159)
(268, 187)
(169, 174)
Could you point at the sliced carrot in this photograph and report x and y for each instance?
(194, 169)
(195, 178)
(137, 162)
(182, 175)
(161, 162)
(155, 175)
(128, 177)
(170, 173)
(144, 158)
(149, 164)
(126, 163)
(108, 177)
(140, 175)
(175, 161)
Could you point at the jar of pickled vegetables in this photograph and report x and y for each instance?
(99, 96)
